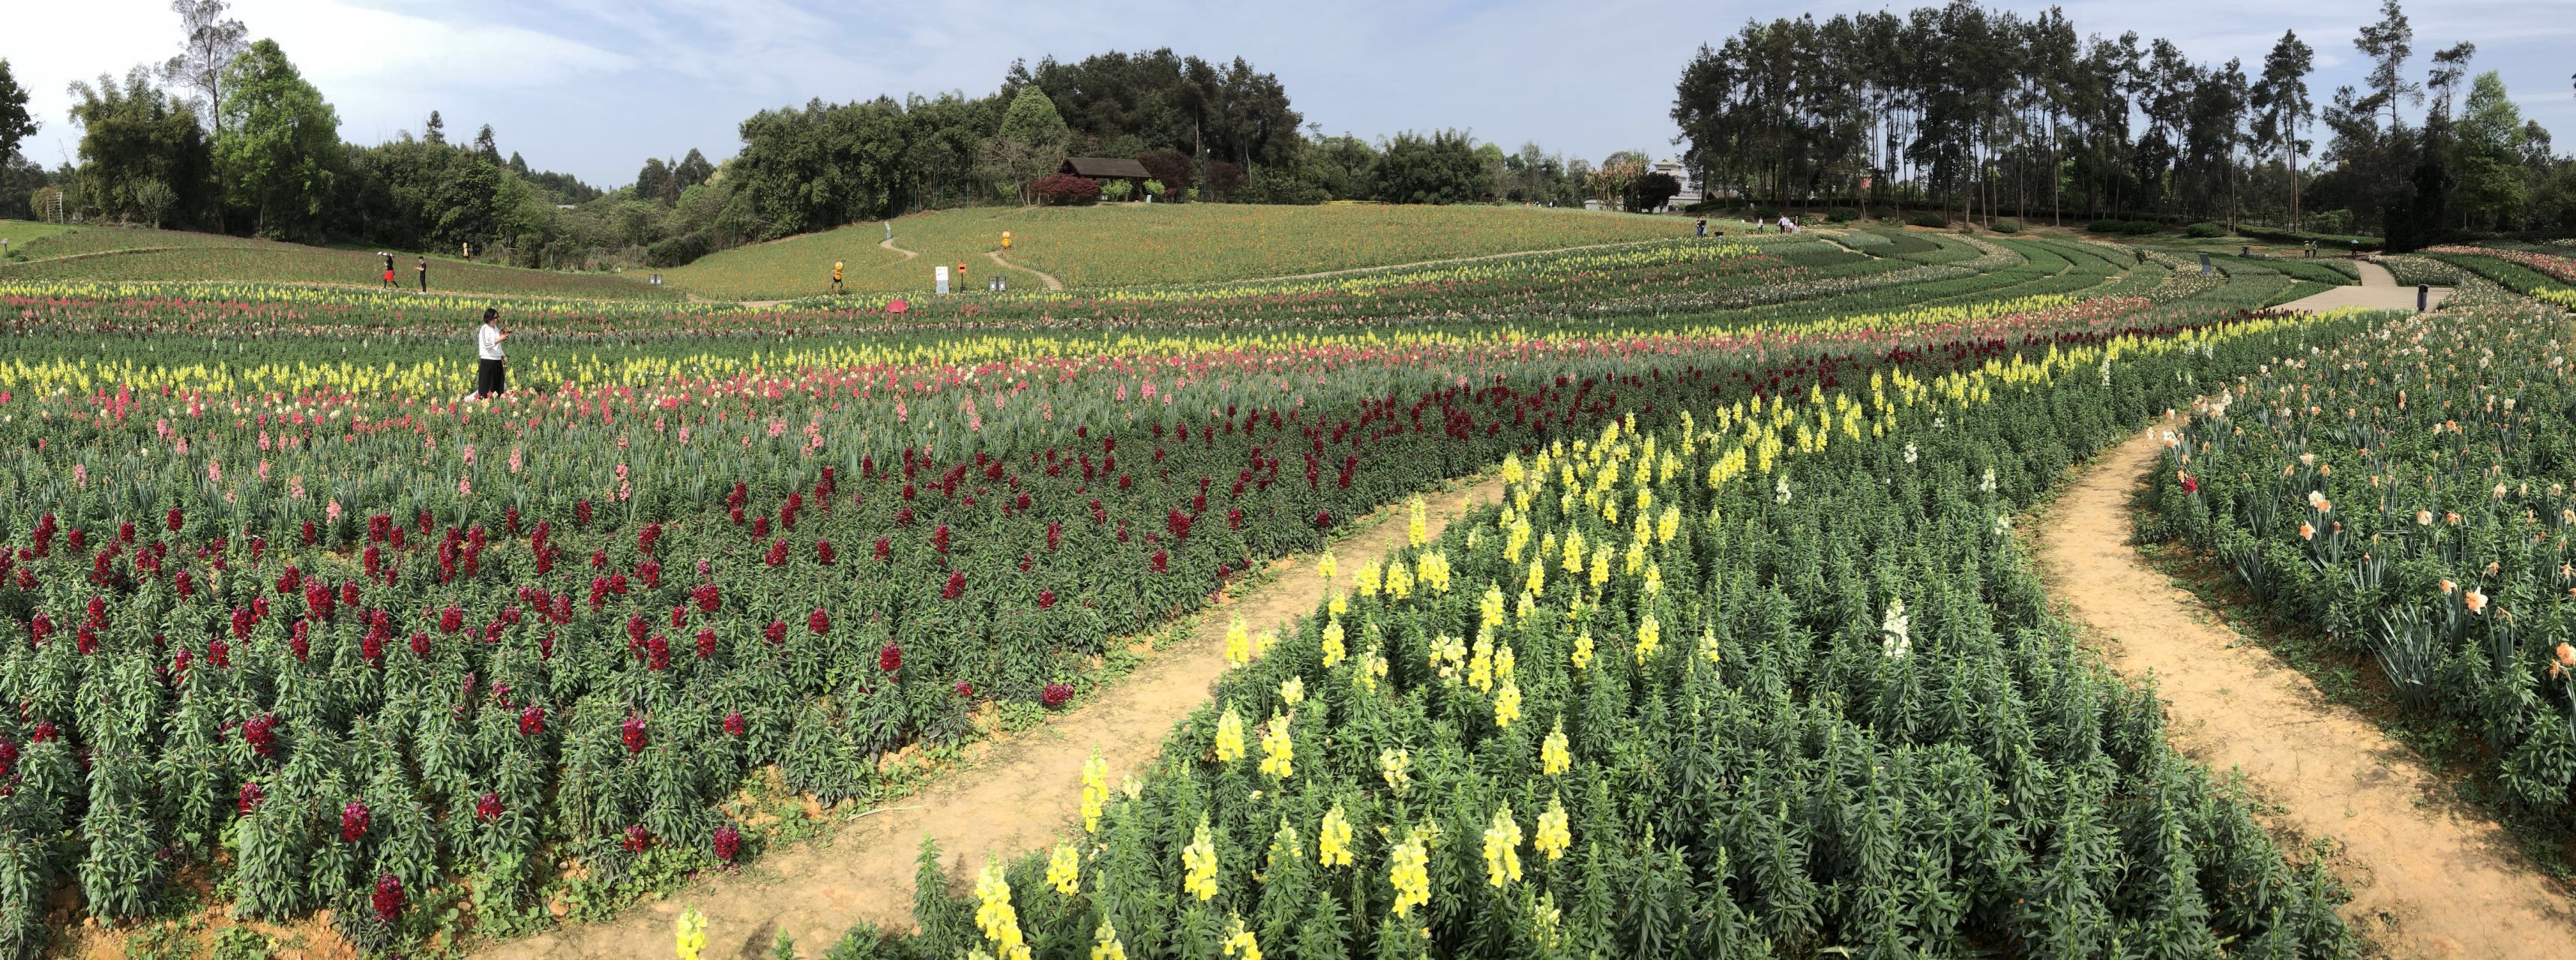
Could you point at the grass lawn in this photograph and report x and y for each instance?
(115, 253)
(1126, 245)
(19, 233)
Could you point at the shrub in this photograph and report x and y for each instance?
(1929, 220)
(2005, 226)
(679, 251)
(2140, 228)
(1065, 188)
(1117, 189)
(2204, 231)
(2105, 225)
(1842, 215)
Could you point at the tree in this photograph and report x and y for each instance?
(1440, 168)
(143, 156)
(15, 123)
(2283, 106)
(208, 44)
(692, 169)
(1030, 143)
(2490, 145)
(281, 143)
(651, 181)
(1652, 191)
(2388, 44)
(435, 132)
(1172, 167)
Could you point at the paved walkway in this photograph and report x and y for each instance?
(2379, 290)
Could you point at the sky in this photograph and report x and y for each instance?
(593, 87)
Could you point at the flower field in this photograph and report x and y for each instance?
(1770, 680)
(1129, 245)
(2408, 492)
(284, 616)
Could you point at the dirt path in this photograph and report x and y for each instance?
(1020, 798)
(2378, 290)
(888, 243)
(1043, 277)
(2427, 879)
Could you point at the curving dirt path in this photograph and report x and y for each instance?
(888, 243)
(1043, 277)
(1020, 798)
(2428, 880)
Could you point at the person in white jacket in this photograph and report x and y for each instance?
(491, 375)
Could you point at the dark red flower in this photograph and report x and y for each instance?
(488, 807)
(353, 821)
(734, 725)
(818, 621)
(637, 838)
(1046, 599)
(890, 658)
(706, 644)
(388, 898)
(632, 731)
(532, 721)
(251, 797)
(728, 842)
(1055, 695)
(965, 689)
(956, 586)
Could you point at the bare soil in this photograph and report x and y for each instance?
(2429, 877)
(1021, 797)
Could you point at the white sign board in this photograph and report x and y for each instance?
(942, 273)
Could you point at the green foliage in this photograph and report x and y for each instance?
(2204, 231)
(143, 157)
(15, 123)
(279, 151)
(2007, 226)
(1440, 168)
(1933, 220)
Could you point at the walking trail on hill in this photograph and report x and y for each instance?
(2378, 290)
(2428, 879)
(1020, 798)
(1043, 277)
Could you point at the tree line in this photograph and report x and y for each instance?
(1989, 113)
(228, 135)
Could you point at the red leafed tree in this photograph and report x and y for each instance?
(1065, 188)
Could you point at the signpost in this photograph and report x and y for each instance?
(942, 274)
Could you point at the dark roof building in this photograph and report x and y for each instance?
(1104, 168)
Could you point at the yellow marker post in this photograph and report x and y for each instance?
(1006, 239)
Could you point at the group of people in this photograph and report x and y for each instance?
(1700, 227)
(389, 272)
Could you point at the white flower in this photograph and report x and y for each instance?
(1895, 631)
(2003, 524)
(1780, 490)
(1988, 484)
(1910, 453)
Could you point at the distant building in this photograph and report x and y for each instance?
(1107, 168)
(1691, 192)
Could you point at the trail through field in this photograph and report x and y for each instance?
(1043, 277)
(1022, 797)
(888, 243)
(2428, 879)
(2378, 290)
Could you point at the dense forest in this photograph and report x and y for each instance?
(1990, 113)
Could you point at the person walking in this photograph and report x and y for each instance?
(491, 374)
(1701, 228)
(389, 270)
(836, 277)
(424, 274)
